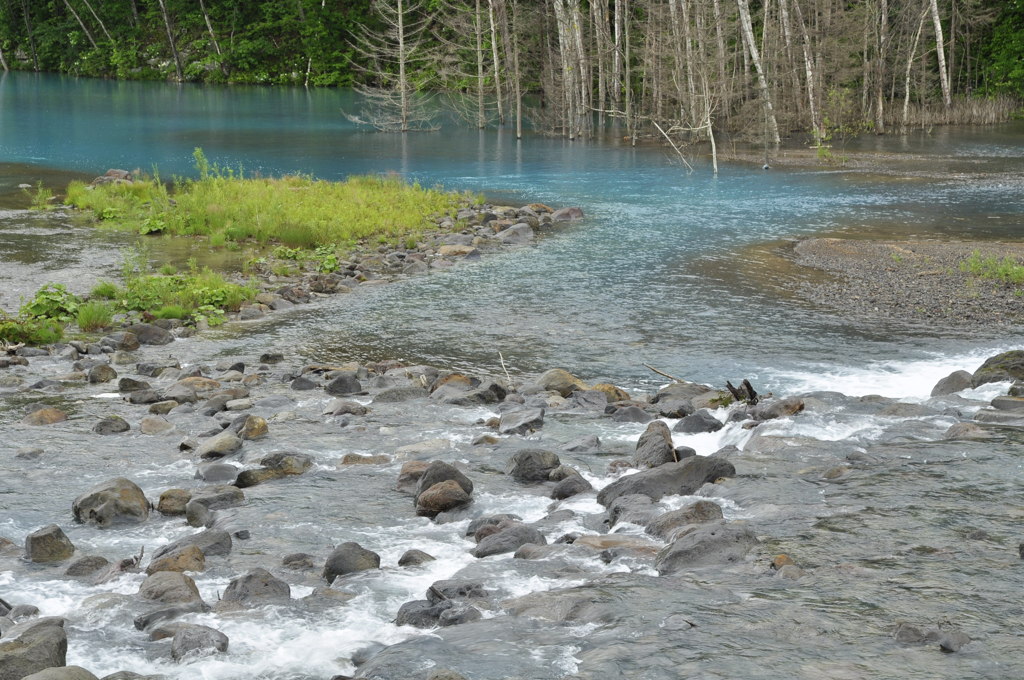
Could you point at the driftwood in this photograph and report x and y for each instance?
(745, 392)
(670, 377)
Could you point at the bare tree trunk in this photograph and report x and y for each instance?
(98, 20)
(81, 23)
(403, 82)
(3, 61)
(603, 49)
(213, 36)
(178, 70)
(31, 36)
(617, 55)
(508, 26)
(748, 36)
(812, 91)
(940, 51)
(881, 55)
(498, 92)
(910, 65)
(481, 119)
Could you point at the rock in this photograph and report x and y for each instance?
(170, 587)
(611, 392)
(571, 486)
(346, 383)
(303, 561)
(439, 471)
(701, 421)
(531, 465)
(654, 447)
(45, 416)
(111, 425)
(172, 502)
(675, 408)
(218, 446)
(86, 566)
(561, 381)
(302, 384)
(695, 513)
(48, 544)
(154, 425)
(953, 640)
(152, 618)
(680, 478)
(631, 414)
(458, 613)
(441, 497)
(587, 400)
(521, 422)
(148, 334)
(486, 393)
(145, 397)
(779, 408)
(342, 407)
(218, 496)
(124, 341)
(198, 515)
(711, 544)
(189, 558)
(1007, 403)
(33, 649)
(999, 368)
(275, 466)
(101, 373)
(420, 613)
(952, 383)
(414, 558)
(394, 395)
(632, 508)
(29, 453)
(570, 214)
(517, 233)
(257, 587)
(252, 427)
(117, 501)
(507, 540)
(349, 558)
(585, 444)
(410, 474)
(193, 641)
(358, 459)
(211, 542)
(126, 385)
(62, 673)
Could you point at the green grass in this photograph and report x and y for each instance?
(296, 211)
(94, 315)
(104, 290)
(1005, 270)
(29, 331)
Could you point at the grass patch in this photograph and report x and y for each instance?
(296, 211)
(29, 331)
(94, 315)
(1005, 270)
(104, 290)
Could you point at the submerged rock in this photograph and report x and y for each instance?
(349, 558)
(708, 544)
(680, 478)
(116, 501)
(193, 640)
(256, 587)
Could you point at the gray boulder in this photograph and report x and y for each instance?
(439, 471)
(571, 486)
(169, 587)
(696, 513)
(344, 384)
(111, 425)
(193, 640)
(116, 501)
(349, 558)
(148, 334)
(441, 497)
(62, 673)
(779, 408)
(655, 446)
(999, 368)
(220, 445)
(49, 544)
(508, 540)
(257, 587)
(394, 395)
(211, 542)
(39, 645)
(680, 478)
(711, 544)
(531, 465)
(952, 383)
(521, 422)
(701, 421)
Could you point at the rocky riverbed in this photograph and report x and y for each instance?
(179, 516)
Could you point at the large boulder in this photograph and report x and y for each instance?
(349, 558)
(49, 544)
(655, 446)
(188, 558)
(532, 465)
(441, 497)
(33, 647)
(148, 334)
(953, 383)
(521, 421)
(680, 478)
(700, 512)
(695, 423)
(211, 542)
(344, 384)
(62, 673)
(275, 466)
(999, 368)
(192, 640)
(561, 381)
(220, 445)
(169, 587)
(439, 471)
(116, 501)
(711, 544)
(778, 408)
(257, 587)
(508, 539)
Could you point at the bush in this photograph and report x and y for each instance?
(29, 331)
(52, 301)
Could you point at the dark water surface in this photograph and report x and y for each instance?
(911, 528)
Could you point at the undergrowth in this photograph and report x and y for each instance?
(1005, 270)
(296, 211)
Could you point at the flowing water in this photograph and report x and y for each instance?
(655, 275)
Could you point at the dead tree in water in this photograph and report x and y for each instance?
(745, 392)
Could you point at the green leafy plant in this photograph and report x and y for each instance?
(52, 301)
(42, 197)
(29, 331)
(1004, 270)
(105, 290)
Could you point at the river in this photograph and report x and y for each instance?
(656, 274)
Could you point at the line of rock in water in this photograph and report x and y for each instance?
(162, 393)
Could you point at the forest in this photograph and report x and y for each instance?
(681, 70)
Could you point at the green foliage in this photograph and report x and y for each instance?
(1005, 270)
(41, 198)
(299, 212)
(94, 315)
(105, 290)
(1004, 68)
(29, 331)
(52, 301)
(172, 312)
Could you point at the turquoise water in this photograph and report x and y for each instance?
(640, 281)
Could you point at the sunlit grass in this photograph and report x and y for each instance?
(1006, 270)
(296, 211)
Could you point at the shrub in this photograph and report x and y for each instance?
(29, 331)
(105, 290)
(52, 301)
